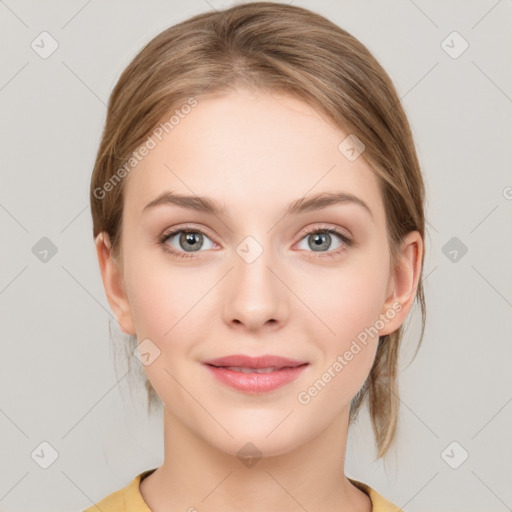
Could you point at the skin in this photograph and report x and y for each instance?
(255, 152)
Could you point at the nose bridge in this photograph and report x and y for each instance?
(256, 295)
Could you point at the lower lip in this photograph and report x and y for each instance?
(257, 382)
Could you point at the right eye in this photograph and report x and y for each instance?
(183, 241)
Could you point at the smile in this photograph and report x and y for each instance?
(255, 375)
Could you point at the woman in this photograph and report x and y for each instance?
(257, 209)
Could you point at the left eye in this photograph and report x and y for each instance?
(321, 239)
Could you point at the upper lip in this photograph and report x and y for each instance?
(265, 361)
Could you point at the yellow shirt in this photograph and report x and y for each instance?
(130, 499)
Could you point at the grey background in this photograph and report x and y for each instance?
(58, 378)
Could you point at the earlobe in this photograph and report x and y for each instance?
(113, 283)
(404, 282)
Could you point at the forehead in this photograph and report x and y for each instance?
(250, 150)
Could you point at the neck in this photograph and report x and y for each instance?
(197, 475)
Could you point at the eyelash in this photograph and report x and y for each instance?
(317, 229)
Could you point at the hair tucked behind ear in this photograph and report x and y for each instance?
(381, 389)
(281, 48)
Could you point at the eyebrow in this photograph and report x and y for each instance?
(302, 205)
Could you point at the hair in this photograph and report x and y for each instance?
(285, 49)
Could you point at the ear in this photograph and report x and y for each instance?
(403, 283)
(113, 283)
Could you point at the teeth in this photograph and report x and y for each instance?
(251, 370)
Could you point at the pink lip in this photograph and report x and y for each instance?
(286, 370)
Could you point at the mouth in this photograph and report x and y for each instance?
(245, 369)
(255, 375)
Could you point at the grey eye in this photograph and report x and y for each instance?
(188, 240)
(320, 241)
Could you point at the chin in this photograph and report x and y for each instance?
(255, 446)
(259, 435)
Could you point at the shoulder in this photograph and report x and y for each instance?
(114, 501)
(379, 503)
(127, 499)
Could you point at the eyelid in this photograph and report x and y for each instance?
(343, 232)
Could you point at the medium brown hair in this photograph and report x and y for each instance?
(287, 49)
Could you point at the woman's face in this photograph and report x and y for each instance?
(258, 277)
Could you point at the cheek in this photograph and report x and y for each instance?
(347, 347)
(161, 296)
(346, 336)
(347, 300)
(167, 307)
(162, 303)
(150, 302)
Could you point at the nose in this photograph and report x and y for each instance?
(255, 297)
